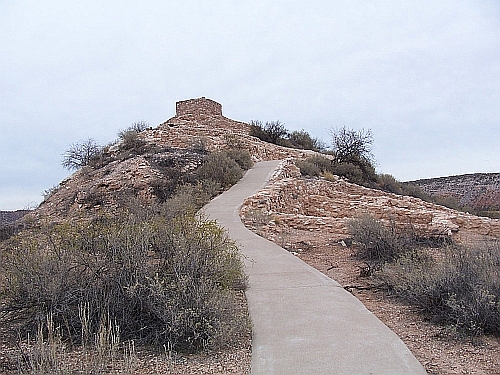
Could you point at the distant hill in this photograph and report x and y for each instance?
(479, 191)
(9, 217)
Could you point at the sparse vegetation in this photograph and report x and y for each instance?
(161, 282)
(219, 167)
(308, 168)
(452, 284)
(81, 154)
(136, 127)
(302, 140)
(240, 156)
(124, 272)
(276, 133)
(321, 166)
(460, 287)
(378, 244)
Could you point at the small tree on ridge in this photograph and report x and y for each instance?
(81, 154)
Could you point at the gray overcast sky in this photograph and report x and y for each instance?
(423, 75)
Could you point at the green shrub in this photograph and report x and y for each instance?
(161, 282)
(323, 163)
(387, 182)
(302, 140)
(272, 132)
(257, 130)
(350, 171)
(314, 166)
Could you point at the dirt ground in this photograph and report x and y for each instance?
(438, 349)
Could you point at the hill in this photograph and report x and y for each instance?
(147, 165)
(308, 216)
(9, 217)
(478, 191)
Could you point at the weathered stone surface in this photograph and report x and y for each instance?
(191, 126)
(314, 204)
(198, 106)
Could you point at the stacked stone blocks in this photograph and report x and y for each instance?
(200, 106)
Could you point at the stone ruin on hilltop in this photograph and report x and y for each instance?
(201, 119)
(200, 106)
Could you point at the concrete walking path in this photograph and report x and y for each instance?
(303, 321)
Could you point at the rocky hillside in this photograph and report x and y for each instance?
(480, 191)
(149, 168)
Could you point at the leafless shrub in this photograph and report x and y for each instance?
(81, 154)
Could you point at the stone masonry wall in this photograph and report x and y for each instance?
(198, 106)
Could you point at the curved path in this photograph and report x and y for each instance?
(303, 321)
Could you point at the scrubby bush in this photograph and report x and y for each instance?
(219, 167)
(308, 168)
(302, 140)
(359, 173)
(324, 164)
(81, 154)
(8, 230)
(378, 244)
(460, 288)
(272, 132)
(351, 172)
(242, 157)
(387, 182)
(257, 130)
(276, 133)
(131, 141)
(452, 284)
(156, 281)
(314, 166)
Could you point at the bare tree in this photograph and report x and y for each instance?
(80, 154)
(352, 146)
(136, 127)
